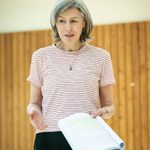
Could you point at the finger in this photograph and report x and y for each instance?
(90, 113)
(35, 121)
(99, 112)
(33, 116)
(105, 114)
(42, 126)
(95, 114)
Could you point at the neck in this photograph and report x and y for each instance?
(69, 47)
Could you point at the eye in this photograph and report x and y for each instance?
(73, 21)
(61, 21)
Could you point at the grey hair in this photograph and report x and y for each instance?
(62, 5)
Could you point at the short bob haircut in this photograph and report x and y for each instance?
(63, 5)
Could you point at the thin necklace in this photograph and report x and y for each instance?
(72, 63)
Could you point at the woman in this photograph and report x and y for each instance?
(69, 76)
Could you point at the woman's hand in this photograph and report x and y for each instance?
(36, 118)
(34, 108)
(105, 112)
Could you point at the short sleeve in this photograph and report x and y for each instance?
(35, 75)
(107, 75)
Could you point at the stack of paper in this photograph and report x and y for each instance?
(83, 132)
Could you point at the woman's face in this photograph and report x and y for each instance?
(69, 25)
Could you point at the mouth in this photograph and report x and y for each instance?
(69, 35)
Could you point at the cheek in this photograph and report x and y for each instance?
(81, 27)
(80, 30)
(59, 30)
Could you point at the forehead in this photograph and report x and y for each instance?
(70, 13)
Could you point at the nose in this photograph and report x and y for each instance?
(68, 26)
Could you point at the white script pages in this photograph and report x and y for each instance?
(83, 132)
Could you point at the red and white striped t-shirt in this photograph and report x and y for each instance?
(68, 91)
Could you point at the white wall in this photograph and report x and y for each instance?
(23, 15)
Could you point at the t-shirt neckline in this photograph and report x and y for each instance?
(70, 52)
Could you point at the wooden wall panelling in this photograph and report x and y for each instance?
(148, 77)
(21, 92)
(136, 88)
(33, 47)
(107, 47)
(48, 37)
(114, 55)
(129, 86)
(0, 90)
(121, 82)
(27, 52)
(8, 82)
(3, 118)
(130, 50)
(40, 37)
(93, 36)
(106, 39)
(100, 36)
(143, 82)
(15, 90)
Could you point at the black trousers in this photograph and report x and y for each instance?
(51, 141)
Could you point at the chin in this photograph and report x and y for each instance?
(71, 40)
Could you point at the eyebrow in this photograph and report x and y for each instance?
(71, 18)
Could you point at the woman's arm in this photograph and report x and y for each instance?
(106, 100)
(34, 108)
(35, 98)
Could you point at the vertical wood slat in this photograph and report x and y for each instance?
(107, 46)
(107, 39)
(143, 77)
(40, 37)
(21, 91)
(130, 50)
(28, 42)
(3, 89)
(148, 76)
(136, 89)
(129, 86)
(15, 92)
(0, 91)
(100, 38)
(114, 54)
(48, 40)
(121, 82)
(33, 47)
(8, 83)
(93, 36)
